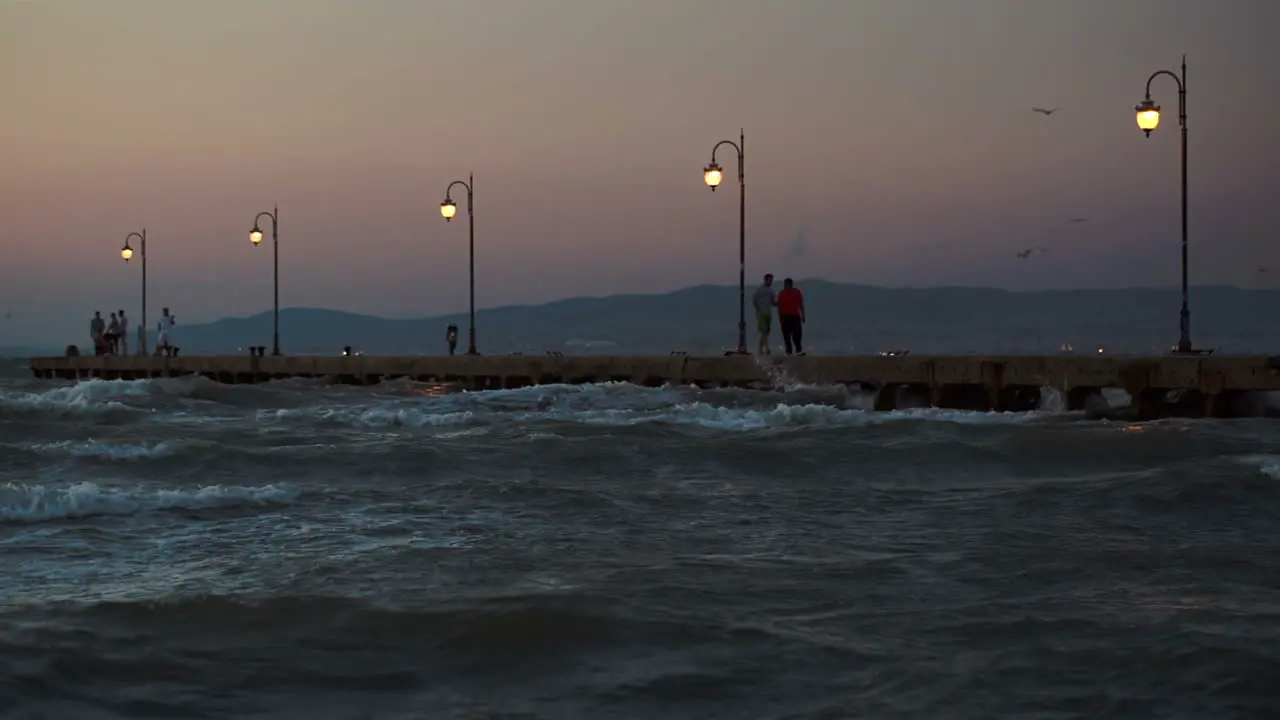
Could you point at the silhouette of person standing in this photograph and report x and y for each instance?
(97, 329)
(791, 316)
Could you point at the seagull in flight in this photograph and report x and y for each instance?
(1077, 220)
(1045, 112)
(1264, 270)
(1024, 254)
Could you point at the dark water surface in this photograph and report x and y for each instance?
(180, 549)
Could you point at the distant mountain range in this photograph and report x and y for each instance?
(843, 318)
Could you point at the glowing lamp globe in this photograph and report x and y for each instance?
(712, 174)
(448, 209)
(255, 236)
(126, 252)
(1148, 116)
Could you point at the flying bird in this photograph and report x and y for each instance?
(1042, 111)
(1264, 270)
(1024, 254)
(1077, 220)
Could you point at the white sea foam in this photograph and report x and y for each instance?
(467, 432)
(1268, 465)
(371, 417)
(114, 451)
(785, 416)
(97, 390)
(39, 502)
(569, 397)
(1116, 398)
(616, 403)
(95, 397)
(697, 413)
(84, 398)
(534, 437)
(1052, 401)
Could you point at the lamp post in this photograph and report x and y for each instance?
(255, 237)
(448, 209)
(713, 174)
(126, 252)
(1148, 120)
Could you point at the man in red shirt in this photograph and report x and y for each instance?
(791, 316)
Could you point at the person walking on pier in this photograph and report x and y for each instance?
(122, 340)
(97, 329)
(791, 316)
(764, 300)
(451, 337)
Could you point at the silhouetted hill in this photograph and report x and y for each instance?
(842, 319)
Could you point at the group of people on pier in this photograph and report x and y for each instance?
(790, 305)
(112, 337)
(109, 338)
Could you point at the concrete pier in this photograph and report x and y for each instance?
(1195, 386)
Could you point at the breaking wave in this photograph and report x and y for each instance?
(699, 414)
(124, 451)
(30, 503)
(1268, 465)
(411, 405)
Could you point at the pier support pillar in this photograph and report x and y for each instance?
(887, 398)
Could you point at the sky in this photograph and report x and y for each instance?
(888, 142)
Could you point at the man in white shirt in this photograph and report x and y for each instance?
(764, 301)
(164, 333)
(124, 334)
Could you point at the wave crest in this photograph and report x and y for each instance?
(96, 398)
(697, 414)
(1268, 465)
(23, 503)
(783, 415)
(371, 417)
(415, 406)
(80, 399)
(95, 450)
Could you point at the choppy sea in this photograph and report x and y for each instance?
(182, 549)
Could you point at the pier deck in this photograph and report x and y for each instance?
(1171, 385)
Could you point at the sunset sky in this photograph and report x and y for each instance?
(888, 142)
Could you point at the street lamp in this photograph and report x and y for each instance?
(126, 252)
(448, 209)
(255, 237)
(712, 175)
(1148, 116)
